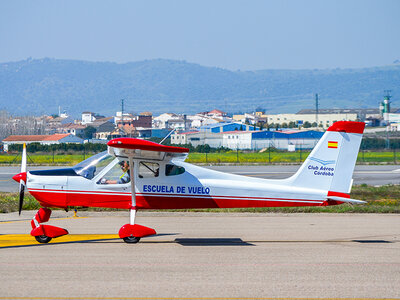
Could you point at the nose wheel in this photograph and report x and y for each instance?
(43, 239)
(131, 239)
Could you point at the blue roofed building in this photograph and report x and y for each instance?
(282, 139)
(224, 127)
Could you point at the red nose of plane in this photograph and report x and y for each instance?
(20, 176)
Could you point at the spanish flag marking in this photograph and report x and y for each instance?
(332, 144)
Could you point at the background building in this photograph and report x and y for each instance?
(41, 139)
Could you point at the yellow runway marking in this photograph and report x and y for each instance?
(17, 240)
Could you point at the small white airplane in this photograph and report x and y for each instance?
(138, 174)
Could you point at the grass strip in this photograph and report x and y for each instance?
(240, 157)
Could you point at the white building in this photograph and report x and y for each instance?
(75, 129)
(160, 121)
(196, 138)
(324, 120)
(87, 117)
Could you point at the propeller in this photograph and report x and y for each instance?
(22, 179)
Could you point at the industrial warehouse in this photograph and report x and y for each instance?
(250, 140)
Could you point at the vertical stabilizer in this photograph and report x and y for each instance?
(331, 164)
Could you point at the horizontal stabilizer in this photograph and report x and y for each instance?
(347, 200)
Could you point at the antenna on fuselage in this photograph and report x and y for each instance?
(167, 135)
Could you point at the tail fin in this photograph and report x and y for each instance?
(331, 164)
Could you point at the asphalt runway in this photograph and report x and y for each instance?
(204, 255)
(369, 174)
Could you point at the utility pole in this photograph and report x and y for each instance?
(316, 109)
(386, 114)
(122, 116)
(122, 111)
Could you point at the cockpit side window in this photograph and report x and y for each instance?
(172, 170)
(118, 174)
(148, 169)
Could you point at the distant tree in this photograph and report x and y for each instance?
(260, 109)
(203, 148)
(306, 124)
(314, 124)
(284, 125)
(292, 124)
(88, 132)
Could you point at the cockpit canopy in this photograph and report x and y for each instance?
(92, 166)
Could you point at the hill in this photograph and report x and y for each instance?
(41, 86)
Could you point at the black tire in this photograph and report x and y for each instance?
(44, 239)
(131, 239)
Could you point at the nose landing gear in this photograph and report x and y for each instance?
(45, 233)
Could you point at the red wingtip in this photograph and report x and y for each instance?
(347, 126)
(20, 176)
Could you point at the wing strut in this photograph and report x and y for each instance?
(133, 191)
(132, 232)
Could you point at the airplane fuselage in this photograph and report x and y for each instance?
(196, 187)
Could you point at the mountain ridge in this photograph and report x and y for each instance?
(40, 86)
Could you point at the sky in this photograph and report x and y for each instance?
(230, 34)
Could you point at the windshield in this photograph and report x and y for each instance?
(90, 167)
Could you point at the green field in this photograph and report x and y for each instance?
(384, 199)
(274, 157)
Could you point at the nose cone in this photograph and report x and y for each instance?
(20, 176)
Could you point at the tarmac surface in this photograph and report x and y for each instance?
(204, 255)
(368, 174)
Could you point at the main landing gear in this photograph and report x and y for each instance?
(45, 233)
(131, 233)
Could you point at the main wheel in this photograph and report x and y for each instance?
(131, 239)
(44, 239)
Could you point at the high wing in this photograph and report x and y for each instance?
(143, 149)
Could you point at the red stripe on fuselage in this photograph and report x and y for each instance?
(59, 198)
(338, 194)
